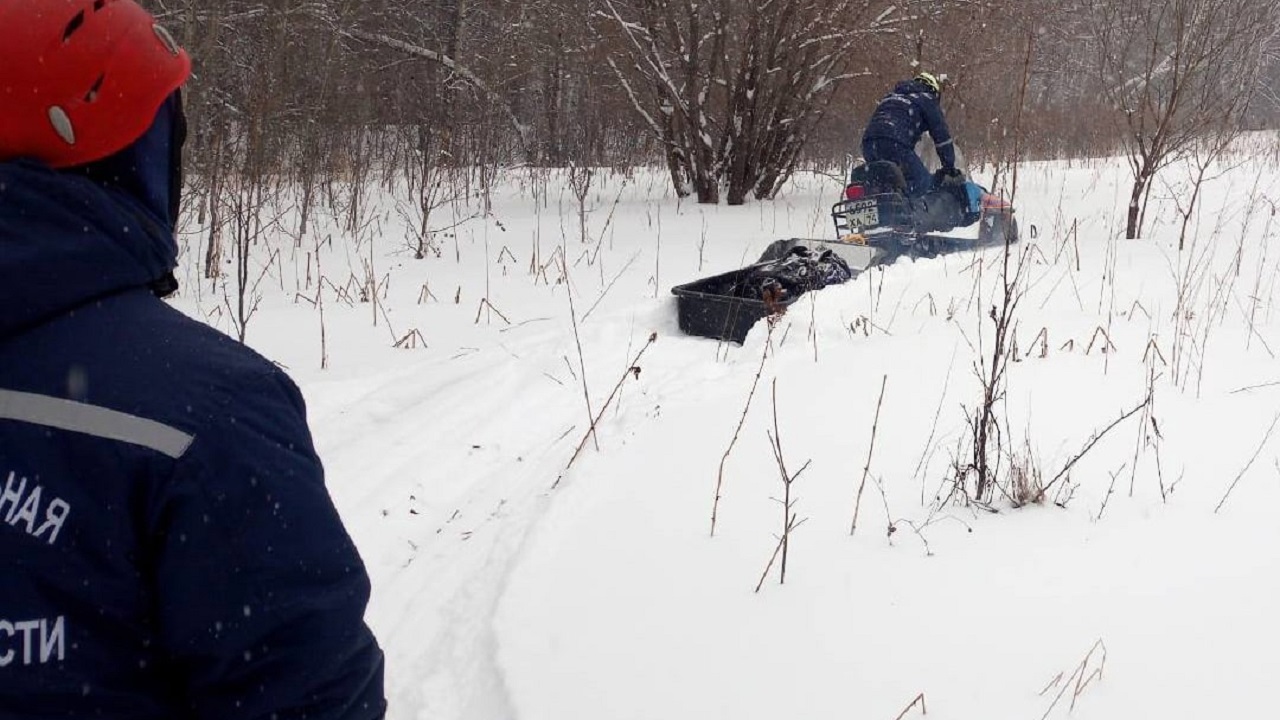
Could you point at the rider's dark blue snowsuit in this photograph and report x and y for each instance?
(897, 124)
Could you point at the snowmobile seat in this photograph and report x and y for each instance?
(879, 177)
(884, 176)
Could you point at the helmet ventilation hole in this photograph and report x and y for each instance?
(167, 39)
(62, 125)
(92, 95)
(99, 4)
(73, 26)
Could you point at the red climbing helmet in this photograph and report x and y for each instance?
(81, 79)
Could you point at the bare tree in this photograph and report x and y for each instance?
(1177, 71)
(731, 89)
(730, 95)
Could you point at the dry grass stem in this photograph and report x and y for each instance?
(582, 363)
(919, 700)
(866, 469)
(1094, 440)
(742, 419)
(412, 340)
(1249, 464)
(1079, 679)
(789, 522)
(632, 371)
(484, 302)
(772, 558)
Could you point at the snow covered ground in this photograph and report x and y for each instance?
(500, 593)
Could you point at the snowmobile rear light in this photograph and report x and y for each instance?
(855, 191)
(994, 202)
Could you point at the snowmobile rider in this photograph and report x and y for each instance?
(897, 124)
(168, 548)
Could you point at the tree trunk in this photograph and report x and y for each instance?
(555, 145)
(706, 186)
(454, 42)
(1135, 204)
(676, 169)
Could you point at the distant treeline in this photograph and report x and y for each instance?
(731, 95)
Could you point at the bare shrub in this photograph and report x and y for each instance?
(1026, 481)
(790, 521)
(1177, 71)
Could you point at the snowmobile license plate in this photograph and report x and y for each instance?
(863, 214)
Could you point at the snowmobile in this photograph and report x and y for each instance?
(876, 223)
(957, 214)
(878, 218)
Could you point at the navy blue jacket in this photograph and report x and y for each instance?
(906, 114)
(168, 549)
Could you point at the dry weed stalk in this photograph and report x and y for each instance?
(919, 700)
(484, 303)
(929, 446)
(1256, 295)
(772, 558)
(1041, 341)
(813, 323)
(657, 258)
(1259, 386)
(866, 469)
(609, 287)
(580, 179)
(1111, 489)
(742, 419)
(412, 340)
(1153, 352)
(702, 241)
(1106, 347)
(1148, 434)
(1079, 678)
(1249, 464)
(324, 342)
(633, 370)
(1190, 278)
(983, 421)
(577, 339)
(789, 520)
(604, 230)
(1094, 440)
(1026, 480)
(1022, 106)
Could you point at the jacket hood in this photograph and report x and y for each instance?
(66, 240)
(70, 236)
(150, 169)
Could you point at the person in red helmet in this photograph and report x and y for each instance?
(168, 548)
